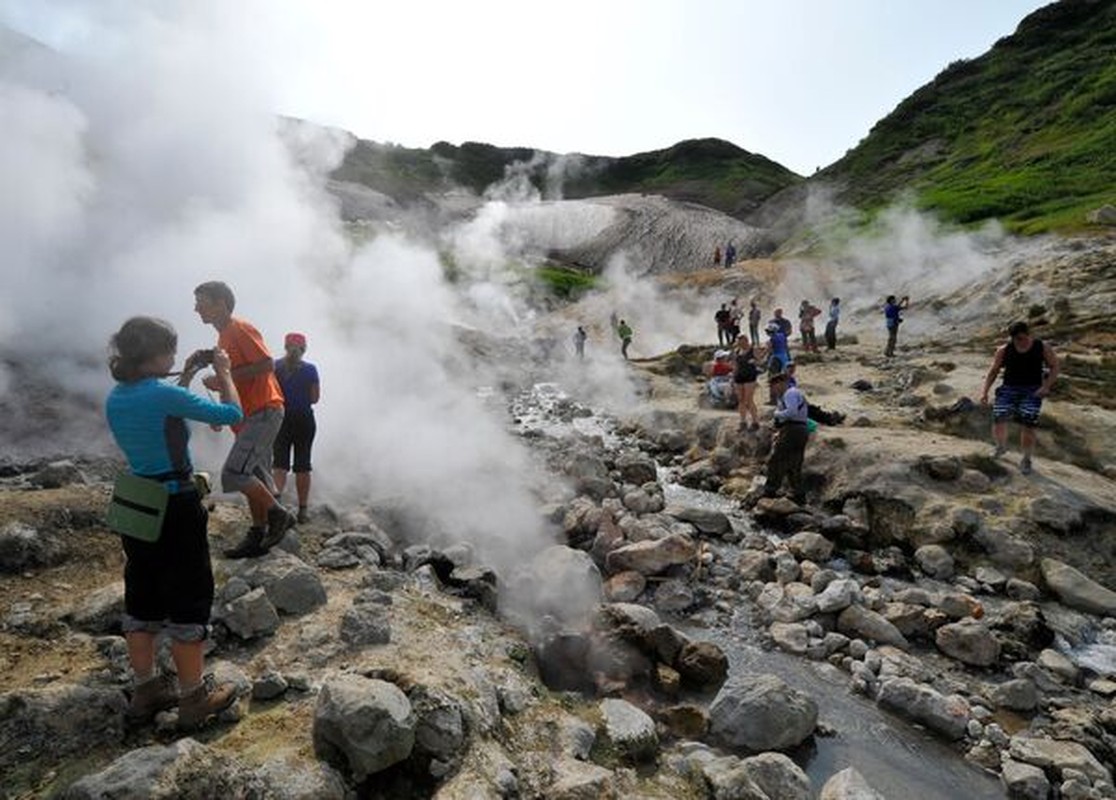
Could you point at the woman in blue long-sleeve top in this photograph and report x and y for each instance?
(168, 583)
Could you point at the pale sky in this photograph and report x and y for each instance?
(800, 81)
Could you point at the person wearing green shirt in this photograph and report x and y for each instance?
(624, 331)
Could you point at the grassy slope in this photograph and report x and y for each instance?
(1026, 132)
(707, 171)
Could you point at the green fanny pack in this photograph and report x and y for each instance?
(138, 507)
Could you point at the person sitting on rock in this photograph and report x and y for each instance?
(719, 386)
(791, 436)
(1030, 368)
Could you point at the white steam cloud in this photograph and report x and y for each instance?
(147, 160)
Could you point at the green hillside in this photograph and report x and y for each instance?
(1026, 132)
(712, 172)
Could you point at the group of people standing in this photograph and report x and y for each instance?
(730, 255)
(168, 577)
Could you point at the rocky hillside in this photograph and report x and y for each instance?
(1025, 133)
(711, 172)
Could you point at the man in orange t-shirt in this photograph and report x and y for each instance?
(247, 468)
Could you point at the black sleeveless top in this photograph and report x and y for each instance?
(1024, 369)
(746, 371)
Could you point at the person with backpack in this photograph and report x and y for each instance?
(1030, 368)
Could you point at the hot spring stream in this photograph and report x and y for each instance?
(898, 759)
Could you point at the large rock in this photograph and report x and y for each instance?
(250, 615)
(440, 725)
(292, 585)
(189, 769)
(778, 777)
(1024, 781)
(58, 722)
(23, 547)
(702, 664)
(761, 712)
(365, 624)
(637, 469)
(100, 611)
(935, 561)
(560, 582)
(630, 730)
(367, 725)
(726, 778)
(624, 587)
(653, 556)
(838, 595)
(970, 642)
(848, 784)
(1059, 755)
(1004, 549)
(858, 621)
(946, 714)
(1076, 590)
(708, 521)
(576, 780)
(811, 546)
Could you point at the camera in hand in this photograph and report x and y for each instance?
(200, 359)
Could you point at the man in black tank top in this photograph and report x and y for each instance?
(1030, 368)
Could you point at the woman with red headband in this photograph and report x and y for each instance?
(301, 390)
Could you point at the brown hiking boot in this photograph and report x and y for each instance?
(249, 547)
(208, 699)
(150, 697)
(279, 521)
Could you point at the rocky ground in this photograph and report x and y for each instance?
(937, 583)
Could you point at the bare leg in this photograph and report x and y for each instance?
(141, 654)
(260, 499)
(189, 660)
(750, 401)
(741, 401)
(1026, 440)
(302, 484)
(999, 434)
(280, 478)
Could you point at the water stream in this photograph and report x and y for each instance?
(900, 760)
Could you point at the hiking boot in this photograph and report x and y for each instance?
(279, 521)
(249, 547)
(303, 515)
(1025, 465)
(150, 697)
(204, 701)
(999, 451)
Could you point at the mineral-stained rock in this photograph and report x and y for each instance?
(702, 664)
(653, 556)
(576, 780)
(1060, 755)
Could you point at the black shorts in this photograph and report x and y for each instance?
(296, 433)
(171, 580)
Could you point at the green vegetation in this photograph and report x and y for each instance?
(1025, 133)
(565, 282)
(712, 172)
